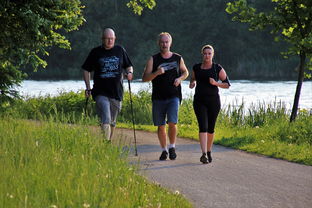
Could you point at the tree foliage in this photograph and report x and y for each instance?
(291, 21)
(244, 54)
(138, 5)
(28, 29)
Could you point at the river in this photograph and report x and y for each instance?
(249, 92)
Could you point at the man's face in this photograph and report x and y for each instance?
(164, 43)
(108, 39)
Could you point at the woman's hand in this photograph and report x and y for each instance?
(192, 84)
(213, 82)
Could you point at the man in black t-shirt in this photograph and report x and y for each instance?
(109, 62)
(166, 70)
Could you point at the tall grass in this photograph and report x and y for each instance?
(237, 126)
(68, 107)
(50, 164)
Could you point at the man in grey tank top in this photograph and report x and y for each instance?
(166, 70)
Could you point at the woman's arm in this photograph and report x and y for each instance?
(192, 81)
(223, 77)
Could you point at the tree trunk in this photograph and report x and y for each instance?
(299, 84)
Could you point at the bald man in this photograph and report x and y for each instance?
(110, 63)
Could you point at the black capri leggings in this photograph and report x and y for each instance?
(207, 112)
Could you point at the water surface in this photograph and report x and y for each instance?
(249, 92)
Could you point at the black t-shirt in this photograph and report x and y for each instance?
(163, 87)
(203, 86)
(108, 67)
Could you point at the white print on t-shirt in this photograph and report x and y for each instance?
(169, 66)
(109, 67)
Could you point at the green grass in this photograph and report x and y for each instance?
(269, 141)
(48, 164)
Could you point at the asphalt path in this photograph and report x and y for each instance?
(233, 179)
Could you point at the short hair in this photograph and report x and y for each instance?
(205, 47)
(164, 33)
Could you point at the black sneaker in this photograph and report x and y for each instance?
(172, 154)
(209, 157)
(204, 158)
(163, 155)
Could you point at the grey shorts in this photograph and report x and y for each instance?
(107, 109)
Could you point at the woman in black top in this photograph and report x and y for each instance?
(206, 102)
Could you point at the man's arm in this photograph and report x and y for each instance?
(184, 73)
(148, 74)
(86, 78)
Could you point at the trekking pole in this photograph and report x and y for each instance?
(133, 123)
(86, 105)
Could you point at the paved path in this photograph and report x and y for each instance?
(233, 179)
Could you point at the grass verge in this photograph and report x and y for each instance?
(50, 164)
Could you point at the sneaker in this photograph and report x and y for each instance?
(204, 158)
(163, 155)
(172, 154)
(209, 157)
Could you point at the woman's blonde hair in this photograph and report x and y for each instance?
(205, 47)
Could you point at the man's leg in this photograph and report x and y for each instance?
(162, 137)
(172, 115)
(115, 108)
(106, 129)
(172, 133)
(159, 116)
(103, 110)
(161, 132)
(112, 128)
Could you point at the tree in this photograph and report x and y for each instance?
(28, 28)
(291, 21)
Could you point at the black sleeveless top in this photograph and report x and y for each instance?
(163, 87)
(203, 86)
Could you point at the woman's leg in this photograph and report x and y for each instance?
(203, 141)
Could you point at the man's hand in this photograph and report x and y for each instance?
(177, 82)
(160, 70)
(129, 76)
(88, 93)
